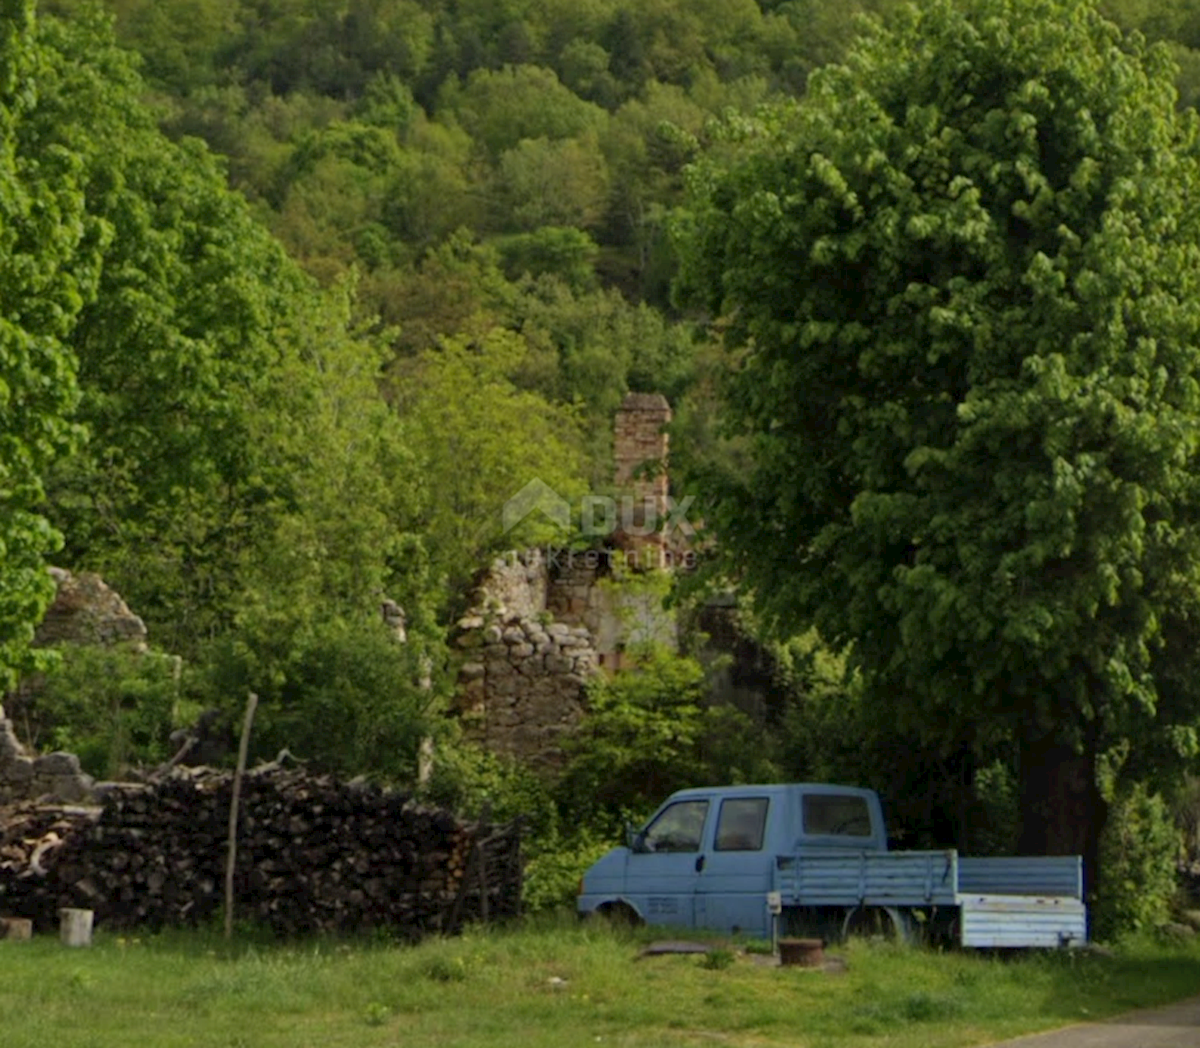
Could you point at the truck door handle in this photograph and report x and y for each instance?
(699, 863)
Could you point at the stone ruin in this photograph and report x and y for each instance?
(25, 777)
(521, 690)
(87, 611)
(543, 623)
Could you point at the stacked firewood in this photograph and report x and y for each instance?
(313, 855)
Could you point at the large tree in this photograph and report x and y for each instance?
(960, 283)
(48, 248)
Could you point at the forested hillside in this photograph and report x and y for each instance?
(297, 294)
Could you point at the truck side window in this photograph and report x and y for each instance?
(741, 824)
(836, 814)
(677, 828)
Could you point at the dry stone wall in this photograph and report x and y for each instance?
(87, 611)
(55, 776)
(521, 688)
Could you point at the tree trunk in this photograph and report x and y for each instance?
(1062, 810)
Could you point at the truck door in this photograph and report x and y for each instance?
(665, 862)
(735, 875)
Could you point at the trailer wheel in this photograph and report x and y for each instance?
(877, 922)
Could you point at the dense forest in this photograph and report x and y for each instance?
(297, 294)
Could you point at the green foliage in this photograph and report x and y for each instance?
(341, 693)
(113, 708)
(960, 277)
(648, 733)
(717, 959)
(48, 254)
(567, 253)
(499, 109)
(476, 782)
(553, 868)
(482, 439)
(1140, 849)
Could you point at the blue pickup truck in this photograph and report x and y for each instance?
(809, 858)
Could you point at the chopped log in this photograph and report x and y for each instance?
(315, 855)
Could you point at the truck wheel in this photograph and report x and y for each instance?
(877, 922)
(619, 916)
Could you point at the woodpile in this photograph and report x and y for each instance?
(314, 855)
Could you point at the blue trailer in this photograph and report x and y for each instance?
(812, 858)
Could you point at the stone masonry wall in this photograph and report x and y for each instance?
(54, 775)
(640, 446)
(542, 623)
(87, 611)
(521, 688)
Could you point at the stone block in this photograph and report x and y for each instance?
(471, 671)
(56, 764)
(559, 664)
(19, 772)
(504, 686)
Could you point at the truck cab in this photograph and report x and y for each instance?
(707, 857)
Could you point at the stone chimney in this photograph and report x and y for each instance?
(640, 446)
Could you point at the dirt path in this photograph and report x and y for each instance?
(1172, 1026)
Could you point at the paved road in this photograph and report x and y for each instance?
(1174, 1026)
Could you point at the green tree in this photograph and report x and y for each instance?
(649, 732)
(963, 274)
(481, 439)
(48, 256)
(500, 108)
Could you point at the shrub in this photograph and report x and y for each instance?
(341, 693)
(112, 707)
(1138, 856)
(555, 866)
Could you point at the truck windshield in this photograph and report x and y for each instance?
(836, 814)
(677, 828)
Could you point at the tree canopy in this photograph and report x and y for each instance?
(961, 287)
(48, 256)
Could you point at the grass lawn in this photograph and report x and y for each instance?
(549, 984)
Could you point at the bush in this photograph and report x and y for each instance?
(340, 693)
(112, 707)
(555, 866)
(1138, 856)
(650, 732)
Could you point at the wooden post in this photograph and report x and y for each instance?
(231, 855)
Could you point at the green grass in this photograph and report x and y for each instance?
(550, 984)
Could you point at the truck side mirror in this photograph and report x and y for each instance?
(633, 838)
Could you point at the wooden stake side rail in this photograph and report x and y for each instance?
(314, 855)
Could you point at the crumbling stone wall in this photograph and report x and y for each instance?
(617, 618)
(87, 611)
(521, 688)
(54, 775)
(542, 622)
